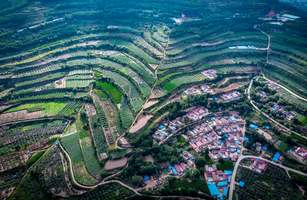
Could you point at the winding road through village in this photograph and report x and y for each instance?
(232, 183)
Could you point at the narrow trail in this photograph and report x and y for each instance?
(148, 98)
(269, 45)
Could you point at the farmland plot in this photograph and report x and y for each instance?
(174, 41)
(128, 87)
(77, 83)
(182, 80)
(140, 64)
(134, 49)
(160, 30)
(71, 107)
(159, 38)
(99, 141)
(52, 169)
(80, 72)
(44, 78)
(125, 113)
(91, 161)
(148, 38)
(196, 58)
(39, 71)
(19, 115)
(148, 76)
(35, 89)
(42, 96)
(71, 144)
(49, 108)
(157, 93)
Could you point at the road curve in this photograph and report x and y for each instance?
(248, 90)
(243, 157)
(297, 96)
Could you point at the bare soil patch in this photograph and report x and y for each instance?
(62, 85)
(150, 103)
(153, 66)
(18, 115)
(116, 164)
(141, 122)
(221, 82)
(232, 86)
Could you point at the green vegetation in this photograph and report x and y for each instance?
(125, 113)
(227, 165)
(51, 108)
(114, 92)
(55, 54)
(35, 157)
(197, 184)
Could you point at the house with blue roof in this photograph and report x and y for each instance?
(225, 192)
(213, 190)
(276, 156)
(241, 184)
(253, 126)
(146, 177)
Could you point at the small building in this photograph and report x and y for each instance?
(241, 184)
(302, 152)
(276, 156)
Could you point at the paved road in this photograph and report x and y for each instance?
(248, 90)
(297, 96)
(232, 183)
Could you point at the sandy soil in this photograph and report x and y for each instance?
(232, 86)
(221, 82)
(266, 135)
(18, 115)
(62, 85)
(149, 158)
(116, 164)
(141, 122)
(150, 103)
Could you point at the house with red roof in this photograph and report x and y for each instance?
(271, 14)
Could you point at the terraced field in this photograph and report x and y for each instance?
(98, 67)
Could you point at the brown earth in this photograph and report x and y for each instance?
(116, 164)
(141, 122)
(232, 86)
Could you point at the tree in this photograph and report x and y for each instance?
(166, 184)
(83, 115)
(187, 174)
(192, 191)
(196, 173)
(207, 157)
(221, 161)
(295, 121)
(200, 162)
(136, 180)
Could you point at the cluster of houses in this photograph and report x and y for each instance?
(217, 180)
(262, 94)
(230, 96)
(223, 142)
(302, 153)
(179, 169)
(197, 114)
(210, 73)
(288, 114)
(272, 85)
(166, 128)
(203, 89)
(259, 165)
